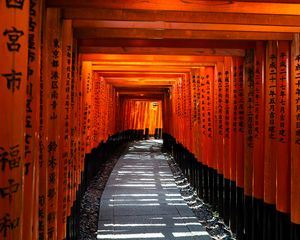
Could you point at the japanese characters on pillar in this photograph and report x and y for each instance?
(87, 91)
(270, 128)
(203, 117)
(188, 110)
(240, 123)
(227, 115)
(74, 124)
(295, 132)
(199, 135)
(31, 183)
(53, 103)
(184, 110)
(283, 128)
(209, 81)
(258, 122)
(249, 120)
(219, 115)
(65, 127)
(43, 187)
(234, 118)
(194, 109)
(13, 81)
(96, 106)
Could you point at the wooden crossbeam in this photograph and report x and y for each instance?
(82, 33)
(266, 7)
(86, 44)
(160, 25)
(180, 16)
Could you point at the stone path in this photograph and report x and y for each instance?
(142, 201)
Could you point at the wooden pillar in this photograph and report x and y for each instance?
(283, 149)
(240, 139)
(249, 133)
(13, 78)
(295, 138)
(270, 140)
(53, 80)
(31, 167)
(258, 139)
(227, 126)
(86, 95)
(65, 127)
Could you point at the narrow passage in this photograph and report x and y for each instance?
(142, 201)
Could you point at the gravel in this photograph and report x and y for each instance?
(213, 224)
(90, 201)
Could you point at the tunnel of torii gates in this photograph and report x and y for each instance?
(230, 117)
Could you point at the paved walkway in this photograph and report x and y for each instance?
(141, 200)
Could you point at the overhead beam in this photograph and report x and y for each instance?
(290, 8)
(164, 51)
(82, 33)
(159, 25)
(165, 43)
(180, 69)
(140, 98)
(141, 89)
(140, 74)
(180, 16)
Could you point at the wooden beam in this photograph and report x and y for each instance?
(180, 16)
(145, 63)
(189, 5)
(141, 89)
(150, 58)
(166, 43)
(164, 51)
(140, 74)
(82, 33)
(148, 98)
(141, 81)
(159, 25)
(180, 69)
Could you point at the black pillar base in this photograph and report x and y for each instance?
(240, 233)
(220, 195)
(205, 183)
(233, 207)
(283, 226)
(295, 231)
(248, 210)
(215, 190)
(257, 218)
(226, 202)
(269, 221)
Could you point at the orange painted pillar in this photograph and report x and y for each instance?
(295, 139)
(233, 143)
(13, 76)
(31, 167)
(209, 154)
(270, 140)
(227, 125)
(193, 109)
(239, 149)
(203, 134)
(75, 117)
(65, 130)
(87, 101)
(96, 109)
(249, 133)
(53, 103)
(258, 139)
(219, 134)
(283, 149)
